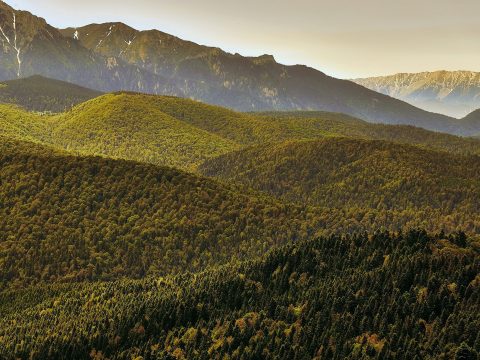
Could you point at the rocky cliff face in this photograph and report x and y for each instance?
(30, 46)
(114, 56)
(454, 93)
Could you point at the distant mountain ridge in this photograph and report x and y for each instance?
(37, 93)
(454, 93)
(474, 118)
(30, 46)
(113, 56)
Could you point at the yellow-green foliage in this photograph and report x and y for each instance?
(309, 125)
(183, 133)
(19, 124)
(72, 218)
(135, 127)
(68, 218)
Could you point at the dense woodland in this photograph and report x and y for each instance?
(344, 172)
(67, 218)
(411, 296)
(40, 94)
(183, 133)
(70, 218)
(143, 227)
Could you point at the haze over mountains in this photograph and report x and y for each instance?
(453, 93)
(37, 93)
(145, 226)
(113, 56)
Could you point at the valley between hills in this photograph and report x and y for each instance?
(105, 205)
(161, 199)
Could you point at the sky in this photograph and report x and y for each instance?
(343, 38)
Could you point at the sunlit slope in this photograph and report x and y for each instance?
(308, 125)
(134, 127)
(183, 133)
(20, 124)
(258, 128)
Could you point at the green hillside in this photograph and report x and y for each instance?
(37, 93)
(351, 173)
(410, 296)
(66, 218)
(201, 204)
(19, 124)
(183, 133)
(126, 126)
(307, 124)
(135, 127)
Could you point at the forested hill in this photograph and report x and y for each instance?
(410, 296)
(37, 93)
(183, 133)
(66, 218)
(344, 172)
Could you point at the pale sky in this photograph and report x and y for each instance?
(343, 38)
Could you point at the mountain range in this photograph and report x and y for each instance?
(454, 93)
(114, 56)
(141, 220)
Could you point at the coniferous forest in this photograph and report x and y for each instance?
(405, 296)
(326, 221)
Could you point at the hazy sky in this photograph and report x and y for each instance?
(344, 38)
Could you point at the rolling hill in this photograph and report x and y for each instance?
(312, 125)
(334, 298)
(40, 94)
(66, 218)
(352, 173)
(183, 133)
(137, 222)
(71, 218)
(135, 127)
(453, 93)
(22, 125)
(110, 57)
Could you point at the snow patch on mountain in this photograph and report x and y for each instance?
(14, 43)
(17, 49)
(110, 30)
(4, 35)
